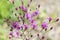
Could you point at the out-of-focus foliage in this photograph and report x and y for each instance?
(54, 15)
(3, 34)
(43, 14)
(5, 9)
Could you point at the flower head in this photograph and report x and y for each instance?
(25, 26)
(10, 35)
(27, 15)
(35, 13)
(23, 8)
(27, 39)
(15, 24)
(49, 19)
(34, 24)
(44, 25)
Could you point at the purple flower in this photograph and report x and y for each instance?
(28, 16)
(11, 33)
(34, 24)
(18, 28)
(23, 8)
(27, 39)
(25, 26)
(49, 19)
(43, 37)
(15, 24)
(32, 21)
(35, 13)
(26, 10)
(44, 25)
(17, 33)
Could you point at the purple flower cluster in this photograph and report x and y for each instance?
(23, 26)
